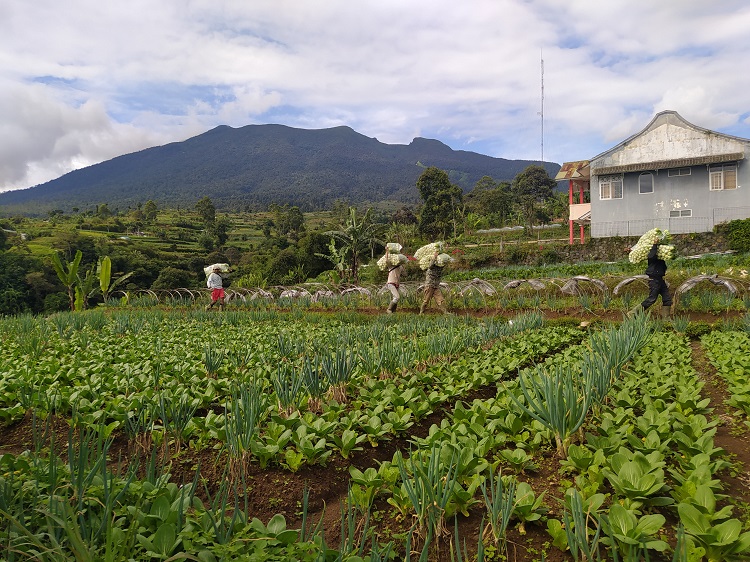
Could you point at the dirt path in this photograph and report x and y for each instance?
(732, 434)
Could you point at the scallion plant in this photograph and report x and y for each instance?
(242, 418)
(338, 370)
(287, 383)
(212, 360)
(559, 399)
(175, 413)
(499, 500)
(139, 426)
(315, 382)
(428, 483)
(583, 541)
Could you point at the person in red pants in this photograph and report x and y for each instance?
(216, 284)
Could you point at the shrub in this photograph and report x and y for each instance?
(547, 256)
(515, 255)
(697, 329)
(206, 241)
(55, 302)
(479, 257)
(738, 234)
(172, 278)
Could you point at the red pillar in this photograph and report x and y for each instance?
(570, 202)
(580, 200)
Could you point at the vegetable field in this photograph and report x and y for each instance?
(263, 434)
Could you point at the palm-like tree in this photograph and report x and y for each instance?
(357, 236)
(68, 274)
(104, 272)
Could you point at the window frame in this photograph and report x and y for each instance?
(678, 172)
(681, 213)
(610, 181)
(717, 177)
(640, 190)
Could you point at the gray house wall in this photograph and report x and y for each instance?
(667, 143)
(637, 212)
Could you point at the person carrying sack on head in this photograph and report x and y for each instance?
(216, 284)
(657, 286)
(394, 278)
(433, 276)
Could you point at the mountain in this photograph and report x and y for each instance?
(253, 166)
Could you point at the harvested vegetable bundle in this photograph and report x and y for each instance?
(391, 260)
(429, 249)
(443, 260)
(666, 252)
(425, 254)
(640, 251)
(224, 267)
(426, 260)
(663, 237)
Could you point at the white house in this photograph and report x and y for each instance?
(672, 175)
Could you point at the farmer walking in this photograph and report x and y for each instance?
(216, 284)
(394, 278)
(657, 286)
(434, 274)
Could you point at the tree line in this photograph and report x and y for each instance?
(289, 248)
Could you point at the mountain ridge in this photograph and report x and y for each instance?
(252, 166)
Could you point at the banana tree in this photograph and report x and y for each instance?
(68, 274)
(104, 270)
(85, 288)
(338, 258)
(357, 236)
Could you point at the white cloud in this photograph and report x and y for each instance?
(84, 81)
(44, 137)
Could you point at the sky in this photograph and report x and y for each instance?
(83, 81)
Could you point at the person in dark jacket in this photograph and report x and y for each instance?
(656, 270)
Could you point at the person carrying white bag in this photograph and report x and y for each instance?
(394, 278)
(657, 286)
(216, 284)
(433, 277)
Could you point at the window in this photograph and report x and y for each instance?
(678, 172)
(722, 177)
(610, 187)
(646, 183)
(681, 213)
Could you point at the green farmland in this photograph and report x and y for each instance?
(275, 433)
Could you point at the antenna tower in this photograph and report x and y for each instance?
(541, 113)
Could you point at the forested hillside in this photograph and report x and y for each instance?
(250, 167)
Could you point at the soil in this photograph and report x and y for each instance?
(275, 489)
(731, 433)
(582, 315)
